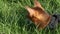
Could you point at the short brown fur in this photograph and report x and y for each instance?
(38, 15)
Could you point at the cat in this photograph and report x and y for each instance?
(40, 17)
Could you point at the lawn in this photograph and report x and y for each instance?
(13, 16)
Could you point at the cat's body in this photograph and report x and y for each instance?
(40, 18)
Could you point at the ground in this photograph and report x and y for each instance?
(13, 16)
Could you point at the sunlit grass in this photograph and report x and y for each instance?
(13, 16)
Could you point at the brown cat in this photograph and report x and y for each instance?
(38, 15)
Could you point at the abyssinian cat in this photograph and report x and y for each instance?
(38, 15)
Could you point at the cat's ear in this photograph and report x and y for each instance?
(37, 4)
(30, 10)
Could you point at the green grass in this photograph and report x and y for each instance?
(13, 19)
